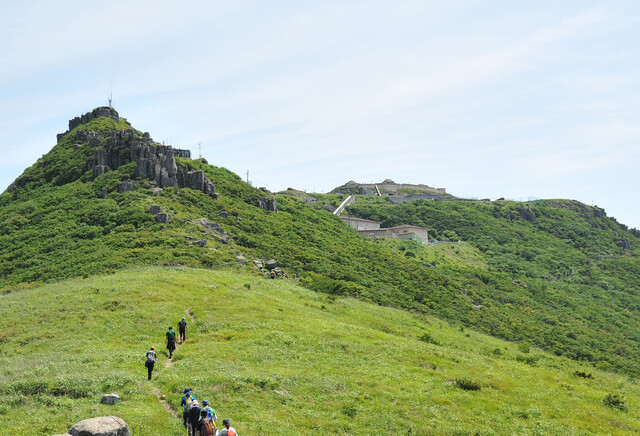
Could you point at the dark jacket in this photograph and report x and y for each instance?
(194, 415)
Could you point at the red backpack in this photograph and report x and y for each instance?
(207, 428)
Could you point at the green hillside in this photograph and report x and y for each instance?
(553, 274)
(279, 359)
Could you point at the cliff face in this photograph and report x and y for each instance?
(153, 161)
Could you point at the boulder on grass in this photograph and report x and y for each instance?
(101, 426)
(110, 399)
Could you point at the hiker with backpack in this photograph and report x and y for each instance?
(185, 403)
(210, 412)
(227, 430)
(194, 417)
(150, 360)
(171, 341)
(206, 426)
(182, 326)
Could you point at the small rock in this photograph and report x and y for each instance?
(163, 218)
(223, 214)
(110, 399)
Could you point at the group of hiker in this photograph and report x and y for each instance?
(277, 272)
(201, 420)
(198, 420)
(151, 357)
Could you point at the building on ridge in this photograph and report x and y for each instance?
(372, 229)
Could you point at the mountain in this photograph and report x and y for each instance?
(108, 201)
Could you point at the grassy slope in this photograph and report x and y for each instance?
(277, 359)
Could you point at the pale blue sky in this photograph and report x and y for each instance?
(485, 98)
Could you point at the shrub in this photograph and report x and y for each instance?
(581, 373)
(426, 337)
(524, 347)
(468, 384)
(615, 401)
(529, 360)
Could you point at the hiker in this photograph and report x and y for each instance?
(194, 417)
(206, 426)
(150, 360)
(171, 341)
(185, 403)
(227, 430)
(210, 412)
(182, 326)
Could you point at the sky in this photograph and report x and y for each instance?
(487, 99)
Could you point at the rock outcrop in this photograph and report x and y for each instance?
(214, 229)
(271, 264)
(267, 203)
(528, 214)
(153, 161)
(101, 426)
(125, 186)
(196, 180)
(163, 218)
(103, 111)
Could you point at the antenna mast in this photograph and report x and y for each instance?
(110, 96)
(247, 177)
(199, 150)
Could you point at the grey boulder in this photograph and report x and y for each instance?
(101, 426)
(110, 399)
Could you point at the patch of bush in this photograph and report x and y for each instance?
(468, 384)
(350, 411)
(426, 337)
(581, 373)
(529, 360)
(615, 401)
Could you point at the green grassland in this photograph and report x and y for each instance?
(279, 359)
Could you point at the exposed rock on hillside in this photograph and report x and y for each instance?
(214, 229)
(269, 204)
(153, 161)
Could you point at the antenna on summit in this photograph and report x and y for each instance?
(110, 96)
(199, 150)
